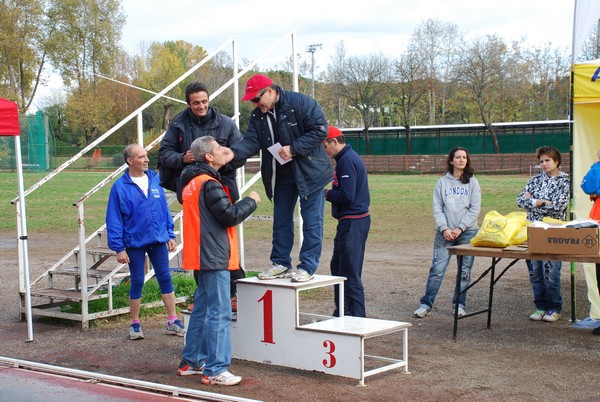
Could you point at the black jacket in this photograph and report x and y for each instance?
(300, 124)
(179, 138)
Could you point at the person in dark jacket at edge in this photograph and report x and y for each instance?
(295, 125)
(197, 120)
(210, 249)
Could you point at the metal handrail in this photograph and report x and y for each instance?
(81, 248)
(122, 122)
(113, 174)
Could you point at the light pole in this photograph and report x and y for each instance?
(312, 49)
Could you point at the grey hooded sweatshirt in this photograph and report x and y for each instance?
(456, 205)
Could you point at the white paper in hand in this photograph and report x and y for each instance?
(274, 150)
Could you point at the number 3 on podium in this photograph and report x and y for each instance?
(331, 346)
(267, 300)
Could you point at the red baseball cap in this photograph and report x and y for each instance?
(333, 132)
(255, 84)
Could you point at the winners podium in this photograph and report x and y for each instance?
(268, 330)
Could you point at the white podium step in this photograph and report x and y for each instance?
(267, 330)
(348, 325)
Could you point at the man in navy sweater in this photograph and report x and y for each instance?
(350, 199)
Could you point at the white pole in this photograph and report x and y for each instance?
(140, 129)
(23, 237)
(295, 84)
(240, 174)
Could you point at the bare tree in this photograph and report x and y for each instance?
(304, 85)
(591, 47)
(361, 81)
(547, 76)
(334, 77)
(481, 72)
(410, 90)
(435, 42)
(216, 73)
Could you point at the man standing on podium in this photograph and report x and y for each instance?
(296, 123)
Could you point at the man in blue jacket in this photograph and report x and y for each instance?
(138, 222)
(350, 200)
(295, 124)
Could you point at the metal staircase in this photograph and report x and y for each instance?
(89, 271)
(86, 274)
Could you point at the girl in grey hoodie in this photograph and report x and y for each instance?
(456, 206)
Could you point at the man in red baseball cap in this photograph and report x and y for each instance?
(255, 85)
(297, 124)
(350, 201)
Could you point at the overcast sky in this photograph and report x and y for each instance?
(365, 27)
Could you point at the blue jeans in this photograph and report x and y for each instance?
(208, 337)
(311, 210)
(440, 262)
(347, 260)
(545, 281)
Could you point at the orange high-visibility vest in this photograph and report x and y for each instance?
(192, 227)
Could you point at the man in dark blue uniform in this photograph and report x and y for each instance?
(350, 199)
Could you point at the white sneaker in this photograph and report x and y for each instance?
(421, 312)
(301, 276)
(537, 315)
(225, 378)
(276, 271)
(135, 332)
(176, 328)
(461, 311)
(551, 316)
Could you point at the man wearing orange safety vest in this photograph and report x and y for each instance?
(210, 250)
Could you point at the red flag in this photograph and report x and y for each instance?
(9, 118)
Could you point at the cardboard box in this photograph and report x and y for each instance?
(562, 240)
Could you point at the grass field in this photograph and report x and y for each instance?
(400, 204)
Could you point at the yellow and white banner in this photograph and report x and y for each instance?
(586, 143)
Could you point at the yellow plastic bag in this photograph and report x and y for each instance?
(498, 230)
(547, 219)
(521, 237)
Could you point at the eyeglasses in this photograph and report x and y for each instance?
(257, 99)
